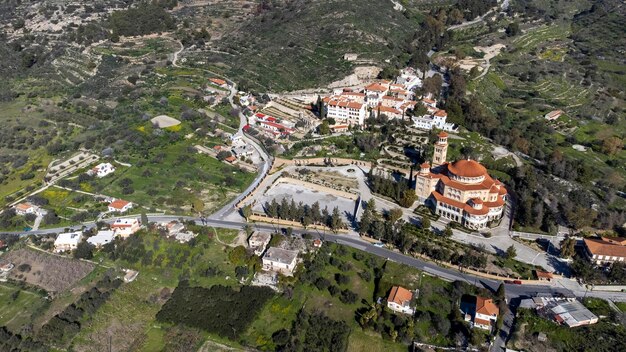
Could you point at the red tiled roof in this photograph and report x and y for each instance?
(486, 306)
(345, 104)
(383, 108)
(119, 204)
(218, 81)
(442, 134)
(441, 113)
(615, 240)
(604, 248)
(230, 159)
(23, 206)
(274, 124)
(555, 113)
(376, 87)
(399, 295)
(354, 94)
(387, 97)
(482, 321)
(543, 274)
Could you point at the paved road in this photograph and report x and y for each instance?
(264, 169)
(504, 333)
(513, 291)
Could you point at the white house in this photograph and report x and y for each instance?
(280, 260)
(259, 241)
(26, 208)
(400, 299)
(67, 241)
(483, 314)
(375, 92)
(101, 238)
(434, 118)
(125, 227)
(101, 170)
(120, 206)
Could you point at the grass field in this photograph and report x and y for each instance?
(131, 310)
(176, 179)
(15, 313)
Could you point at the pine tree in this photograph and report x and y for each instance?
(335, 220)
(316, 215)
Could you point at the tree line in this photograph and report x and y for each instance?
(304, 213)
(65, 325)
(218, 309)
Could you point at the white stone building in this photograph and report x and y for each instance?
(67, 241)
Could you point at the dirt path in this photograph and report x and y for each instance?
(175, 59)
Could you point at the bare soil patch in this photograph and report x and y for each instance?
(50, 272)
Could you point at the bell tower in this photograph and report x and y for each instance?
(441, 149)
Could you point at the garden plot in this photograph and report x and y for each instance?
(50, 272)
(307, 196)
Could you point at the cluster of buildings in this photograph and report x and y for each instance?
(351, 108)
(460, 191)
(479, 311)
(275, 259)
(121, 227)
(434, 118)
(28, 208)
(177, 231)
(272, 125)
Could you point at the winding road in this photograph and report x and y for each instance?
(223, 219)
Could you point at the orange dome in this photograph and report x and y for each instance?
(467, 168)
(442, 134)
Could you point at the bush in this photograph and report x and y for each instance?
(200, 307)
(348, 297)
(342, 279)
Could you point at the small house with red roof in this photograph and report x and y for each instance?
(481, 312)
(400, 300)
(218, 82)
(120, 206)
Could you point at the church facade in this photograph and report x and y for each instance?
(460, 191)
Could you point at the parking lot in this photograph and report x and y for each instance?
(307, 196)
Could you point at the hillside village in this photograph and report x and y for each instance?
(417, 203)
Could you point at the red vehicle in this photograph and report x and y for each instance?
(513, 282)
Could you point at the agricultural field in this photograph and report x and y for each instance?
(49, 272)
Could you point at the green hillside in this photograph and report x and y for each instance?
(301, 44)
